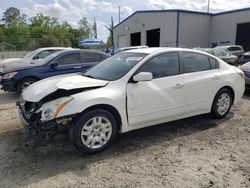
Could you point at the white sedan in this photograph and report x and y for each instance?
(131, 90)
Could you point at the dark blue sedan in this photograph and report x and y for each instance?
(17, 76)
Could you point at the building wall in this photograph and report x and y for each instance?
(194, 30)
(141, 22)
(224, 26)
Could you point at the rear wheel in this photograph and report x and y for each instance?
(94, 131)
(24, 84)
(222, 103)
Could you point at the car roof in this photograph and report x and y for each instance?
(227, 46)
(161, 49)
(54, 48)
(81, 50)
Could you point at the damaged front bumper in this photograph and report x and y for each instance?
(32, 122)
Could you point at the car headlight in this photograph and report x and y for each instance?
(9, 75)
(51, 109)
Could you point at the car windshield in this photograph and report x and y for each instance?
(46, 59)
(207, 51)
(30, 54)
(115, 67)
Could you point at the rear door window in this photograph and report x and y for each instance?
(70, 58)
(194, 62)
(89, 57)
(213, 63)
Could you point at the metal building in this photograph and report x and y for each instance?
(184, 29)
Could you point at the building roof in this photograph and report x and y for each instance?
(184, 11)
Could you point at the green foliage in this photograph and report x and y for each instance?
(12, 14)
(110, 40)
(41, 31)
(94, 28)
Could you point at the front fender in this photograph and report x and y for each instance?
(101, 96)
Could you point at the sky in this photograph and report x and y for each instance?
(102, 10)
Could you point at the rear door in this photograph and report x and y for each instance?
(201, 81)
(90, 59)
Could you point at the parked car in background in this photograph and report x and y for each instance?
(245, 58)
(246, 69)
(131, 90)
(232, 49)
(223, 55)
(18, 76)
(39, 53)
(129, 48)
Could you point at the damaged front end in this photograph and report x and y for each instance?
(41, 118)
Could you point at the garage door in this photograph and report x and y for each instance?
(242, 37)
(122, 41)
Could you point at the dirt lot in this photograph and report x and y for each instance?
(194, 152)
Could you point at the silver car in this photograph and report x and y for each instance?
(246, 69)
(223, 55)
(232, 49)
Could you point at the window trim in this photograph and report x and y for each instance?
(182, 62)
(162, 53)
(63, 54)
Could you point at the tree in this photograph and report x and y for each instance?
(49, 40)
(13, 14)
(84, 27)
(94, 28)
(110, 41)
(18, 35)
(41, 20)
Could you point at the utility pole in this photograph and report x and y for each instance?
(208, 5)
(119, 13)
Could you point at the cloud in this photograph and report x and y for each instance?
(198, 5)
(73, 10)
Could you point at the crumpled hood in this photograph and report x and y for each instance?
(41, 89)
(15, 64)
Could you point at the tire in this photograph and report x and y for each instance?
(88, 134)
(24, 84)
(222, 103)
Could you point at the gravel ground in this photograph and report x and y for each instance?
(194, 152)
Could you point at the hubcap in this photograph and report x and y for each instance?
(223, 103)
(96, 132)
(26, 84)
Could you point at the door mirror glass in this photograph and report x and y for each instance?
(143, 76)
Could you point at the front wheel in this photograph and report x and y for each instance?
(222, 103)
(94, 131)
(24, 84)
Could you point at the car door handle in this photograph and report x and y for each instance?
(216, 77)
(178, 86)
(78, 67)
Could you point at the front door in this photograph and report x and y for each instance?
(160, 98)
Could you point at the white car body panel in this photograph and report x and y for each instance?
(166, 100)
(145, 103)
(42, 88)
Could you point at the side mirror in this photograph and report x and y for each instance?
(35, 57)
(53, 65)
(143, 76)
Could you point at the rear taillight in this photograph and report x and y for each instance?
(240, 72)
